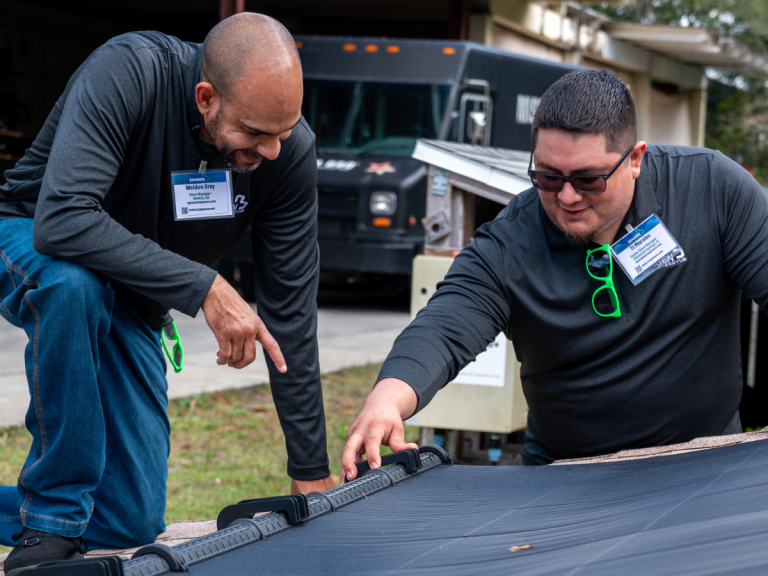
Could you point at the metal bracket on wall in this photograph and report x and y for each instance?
(437, 226)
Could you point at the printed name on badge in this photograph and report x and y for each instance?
(202, 195)
(647, 248)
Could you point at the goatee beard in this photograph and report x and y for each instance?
(237, 168)
(214, 131)
(579, 240)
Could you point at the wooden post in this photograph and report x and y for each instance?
(228, 8)
(462, 217)
(641, 93)
(458, 19)
(451, 442)
(426, 436)
(698, 112)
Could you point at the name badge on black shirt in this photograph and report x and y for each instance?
(202, 195)
(647, 248)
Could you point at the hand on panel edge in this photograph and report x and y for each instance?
(380, 422)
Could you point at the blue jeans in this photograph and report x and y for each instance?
(98, 408)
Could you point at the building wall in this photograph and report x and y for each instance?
(515, 43)
(671, 120)
(629, 78)
(531, 29)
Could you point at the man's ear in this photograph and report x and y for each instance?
(206, 97)
(636, 158)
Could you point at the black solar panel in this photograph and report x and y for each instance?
(703, 512)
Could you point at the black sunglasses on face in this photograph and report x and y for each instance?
(583, 183)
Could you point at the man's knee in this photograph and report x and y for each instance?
(73, 287)
(142, 530)
(129, 526)
(75, 281)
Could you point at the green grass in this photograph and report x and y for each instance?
(228, 446)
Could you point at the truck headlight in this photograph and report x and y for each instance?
(383, 203)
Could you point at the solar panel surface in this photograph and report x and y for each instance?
(698, 513)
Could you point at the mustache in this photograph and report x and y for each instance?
(253, 155)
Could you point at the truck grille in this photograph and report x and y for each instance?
(337, 215)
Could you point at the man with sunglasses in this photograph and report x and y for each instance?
(154, 162)
(611, 358)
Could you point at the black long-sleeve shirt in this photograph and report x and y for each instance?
(97, 181)
(668, 370)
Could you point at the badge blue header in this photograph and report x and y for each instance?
(642, 229)
(199, 178)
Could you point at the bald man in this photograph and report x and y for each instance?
(152, 164)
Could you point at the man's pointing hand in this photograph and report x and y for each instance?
(237, 328)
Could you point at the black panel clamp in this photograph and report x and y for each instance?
(98, 566)
(294, 506)
(175, 562)
(408, 458)
(445, 458)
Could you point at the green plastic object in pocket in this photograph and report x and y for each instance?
(170, 335)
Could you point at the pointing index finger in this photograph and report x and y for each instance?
(272, 348)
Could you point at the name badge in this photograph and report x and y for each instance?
(647, 248)
(202, 195)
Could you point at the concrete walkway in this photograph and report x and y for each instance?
(346, 336)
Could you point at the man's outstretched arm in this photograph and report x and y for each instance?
(469, 309)
(379, 423)
(286, 269)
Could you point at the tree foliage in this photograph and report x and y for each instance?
(737, 122)
(737, 105)
(745, 20)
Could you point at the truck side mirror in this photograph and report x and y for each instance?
(475, 122)
(476, 126)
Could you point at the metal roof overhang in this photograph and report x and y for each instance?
(696, 46)
(493, 173)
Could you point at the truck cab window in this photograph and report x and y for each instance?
(391, 117)
(326, 108)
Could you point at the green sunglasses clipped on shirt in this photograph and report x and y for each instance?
(605, 301)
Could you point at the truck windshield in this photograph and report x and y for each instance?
(390, 117)
(385, 116)
(326, 108)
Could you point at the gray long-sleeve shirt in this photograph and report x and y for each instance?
(668, 370)
(97, 181)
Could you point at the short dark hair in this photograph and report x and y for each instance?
(589, 102)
